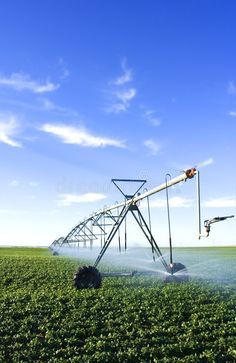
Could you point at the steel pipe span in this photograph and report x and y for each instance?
(188, 174)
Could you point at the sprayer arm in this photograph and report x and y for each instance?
(207, 223)
(216, 219)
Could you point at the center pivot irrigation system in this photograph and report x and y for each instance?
(104, 225)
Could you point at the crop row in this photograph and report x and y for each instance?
(135, 319)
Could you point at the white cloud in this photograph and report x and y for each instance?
(232, 113)
(47, 105)
(8, 129)
(116, 108)
(14, 183)
(152, 119)
(64, 69)
(13, 212)
(79, 136)
(68, 199)
(21, 81)
(152, 146)
(174, 202)
(33, 184)
(206, 162)
(220, 202)
(120, 94)
(231, 88)
(31, 197)
(43, 104)
(126, 95)
(126, 77)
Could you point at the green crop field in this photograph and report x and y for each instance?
(43, 318)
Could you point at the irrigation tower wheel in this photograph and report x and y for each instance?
(178, 273)
(87, 277)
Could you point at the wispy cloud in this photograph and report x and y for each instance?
(9, 128)
(33, 184)
(199, 165)
(42, 104)
(174, 202)
(120, 94)
(126, 95)
(116, 108)
(127, 75)
(14, 212)
(206, 162)
(122, 99)
(152, 118)
(14, 183)
(64, 69)
(80, 136)
(153, 146)
(69, 199)
(221, 202)
(231, 88)
(21, 81)
(232, 113)
(48, 105)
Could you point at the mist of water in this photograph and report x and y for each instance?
(202, 264)
(131, 259)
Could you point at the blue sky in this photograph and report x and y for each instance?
(94, 90)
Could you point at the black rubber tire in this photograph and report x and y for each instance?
(178, 273)
(55, 253)
(87, 277)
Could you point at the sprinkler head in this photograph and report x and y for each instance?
(177, 272)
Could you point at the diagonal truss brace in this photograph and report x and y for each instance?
(138, 217)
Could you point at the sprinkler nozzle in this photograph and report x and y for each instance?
(171, 269)
(207, 222)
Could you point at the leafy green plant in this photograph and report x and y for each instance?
(134, 319)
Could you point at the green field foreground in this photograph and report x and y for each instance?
(133, 319)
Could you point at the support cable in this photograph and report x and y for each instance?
(104, 224)
(125, 233)
(149, 222)
(101, 237)
(119, 244)
(144, 227)
(169, 224)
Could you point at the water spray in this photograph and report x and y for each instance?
(103, 225)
